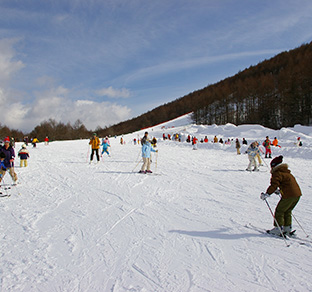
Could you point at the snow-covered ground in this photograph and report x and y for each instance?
(104, 227)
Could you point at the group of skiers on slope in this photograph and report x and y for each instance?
(95, 147)
(282, 181)
(7, 156)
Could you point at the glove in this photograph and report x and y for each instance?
(263, 196)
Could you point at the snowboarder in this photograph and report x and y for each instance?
(23, 154)
(252, 152)
(95, 145)
(267, 146)
(105, 145)
(8, 160)
(286, 183)
(147, 148)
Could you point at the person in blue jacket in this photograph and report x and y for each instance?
(105, 145)
(147, 148)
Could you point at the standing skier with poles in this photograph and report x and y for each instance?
(147, 148)
(95, 145)
(290, 196)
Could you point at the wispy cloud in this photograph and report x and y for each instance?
(113, 93)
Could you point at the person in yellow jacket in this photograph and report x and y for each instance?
(95, 145)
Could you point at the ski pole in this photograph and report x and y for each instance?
(156, 161)
(88, 153)
(136, 166)
(279, 227)
(264, 161)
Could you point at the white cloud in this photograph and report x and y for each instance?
(56, 104)
(8, 65)
(113, 93)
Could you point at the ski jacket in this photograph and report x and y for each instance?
(23, 153)
(9, 155)
(147, 149)
(237, 144)
(105, 144)
(275, 142)
(285, 181)
(95, 143)
(267, 144)
(253, 150)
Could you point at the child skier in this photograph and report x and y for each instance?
(290, 195)
(23, 154)
(147, 148)
(105, 145)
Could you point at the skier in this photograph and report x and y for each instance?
(206, 139)
(147, 148)
(105, 145)
(8, 160)
(194, 143)
(252, 152)
(46, 140)
(267, 146)
(215, 139)
(275, 142)
(245, 142)
(237, 146)
(95, 145)
(34, 142)
(23, 154)
(290, 192)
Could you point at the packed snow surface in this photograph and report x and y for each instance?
(74, 226)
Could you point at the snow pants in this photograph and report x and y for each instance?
(146, 164)
(96, 151)
(23, 162)
(283, 211)
(252, 162)
(11, 172)
(105, 151)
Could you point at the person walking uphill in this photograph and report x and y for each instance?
(95, 145)
(290, 192)
(147, 148)
(7, 153)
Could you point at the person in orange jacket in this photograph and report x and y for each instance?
(95, 145)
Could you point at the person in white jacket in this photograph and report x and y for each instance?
(252, 152)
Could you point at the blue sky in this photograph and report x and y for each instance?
(105, 61)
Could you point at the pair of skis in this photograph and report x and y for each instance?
(291, 236)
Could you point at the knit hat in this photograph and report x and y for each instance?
(6, 139)
(276, 161)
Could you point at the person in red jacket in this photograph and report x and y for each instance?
(194, 143)
(46, 140)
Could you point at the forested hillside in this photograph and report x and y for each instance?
(275, 93)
